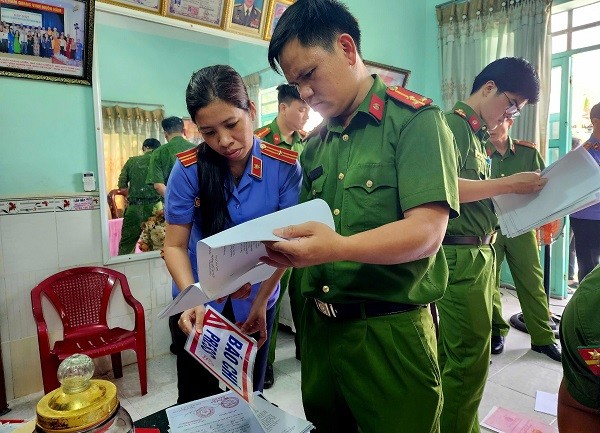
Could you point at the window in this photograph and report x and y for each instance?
(576, 28)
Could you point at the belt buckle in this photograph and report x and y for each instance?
(325, 308)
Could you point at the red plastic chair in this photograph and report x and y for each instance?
(81, 296)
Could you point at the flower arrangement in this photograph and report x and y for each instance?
(153, 232)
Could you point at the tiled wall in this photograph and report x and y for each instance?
(42, 236)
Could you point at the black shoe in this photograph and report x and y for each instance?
(550, 350)
(497, 344)
(269, 377)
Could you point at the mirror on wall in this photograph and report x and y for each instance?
(142, 67)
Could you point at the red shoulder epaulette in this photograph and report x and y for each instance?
(262, 132)
(188, 157)
(525, 143)
(407, 97)
(278, 153)
(591, 356)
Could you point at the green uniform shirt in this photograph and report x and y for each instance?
(476, 218)
(163, 159)
(274, 137)
(579, 329)
(389, 159)
(519, 157)
(133, 176)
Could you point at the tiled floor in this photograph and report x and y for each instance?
(514, 378)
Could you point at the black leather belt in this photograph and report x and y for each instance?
(469, 240)
(362, 310)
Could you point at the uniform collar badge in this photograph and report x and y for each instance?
(474, 122)
(591, 356)
(376, 107)
(256, 170)
(276, 139)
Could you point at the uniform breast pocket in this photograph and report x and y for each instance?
(316, 188)
(370, 197)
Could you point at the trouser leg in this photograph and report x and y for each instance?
(283, 285)
(499, 325)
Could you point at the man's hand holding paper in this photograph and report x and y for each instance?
(527, 182)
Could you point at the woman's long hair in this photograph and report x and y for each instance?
(207, 85)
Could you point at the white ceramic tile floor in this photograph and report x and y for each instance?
(514, 378)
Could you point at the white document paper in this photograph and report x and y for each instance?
(546, 402)
(573, 184)
(502, 420)
(228, 413)
(231, 258)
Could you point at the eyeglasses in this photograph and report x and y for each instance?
(513, 109)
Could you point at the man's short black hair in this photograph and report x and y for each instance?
(287, 93)
(172, 125)
(511, 74)
(151, 143)
(313, 23)
(595, 111)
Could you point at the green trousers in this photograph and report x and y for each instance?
(465, 329)
(133, 218)
(523, 259)
(378, 374)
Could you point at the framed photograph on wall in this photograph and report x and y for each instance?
(390, 75)
(47, 40)
(206, 12)
(152, 6)
(247, 17)
(276, 9)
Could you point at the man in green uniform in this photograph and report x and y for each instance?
(522, 253)
(163, 158)
(501, 90)
(579, 393)
(285, 131)
(141, 197)
(384, 161)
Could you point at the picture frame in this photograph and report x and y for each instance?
(247, 17)
(391, 75)
(52, 54)
(152, 6)
(276, 9)
(206, 12)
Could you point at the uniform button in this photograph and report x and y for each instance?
(336, 212)
(314, 192)
(325, 289)
(369, 183)
(345, 137)
(341, 176)
(502, 175)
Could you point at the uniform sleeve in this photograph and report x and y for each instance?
(154, 171)
(426, 162)
(462, 137)
(538, 163)
(182, 191)
(290, 181)
(124, 176)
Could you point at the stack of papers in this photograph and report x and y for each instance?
(573, 184)
(229, 413)
(230, 259)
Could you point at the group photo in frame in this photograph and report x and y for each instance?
(152, 6)
(276, 9)
(47, 41)
(391, 75)
(206, 12)
(247, 17)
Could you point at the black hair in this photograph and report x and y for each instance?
(511, 74)
(151, 143)
(218, 82)
(313, 23)
(595, 112)
(172, 125)
(287, 93)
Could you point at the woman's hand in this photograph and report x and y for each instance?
(192, 319)
(256, 321)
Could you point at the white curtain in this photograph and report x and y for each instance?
(252, 82)
(473, 34)
(124, 131)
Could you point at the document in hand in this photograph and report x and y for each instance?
(230, 259)
(228, 413)
(573, 184)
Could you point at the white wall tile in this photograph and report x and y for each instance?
(29, 242)
(161, 283)
(26, 370)
(2, 271)
(3, 312)
(161, 336)
(78, 238)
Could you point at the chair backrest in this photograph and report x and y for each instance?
(80, 296)
(112, 201)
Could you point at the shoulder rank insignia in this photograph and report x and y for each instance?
(526, 143)
(278, 153)
(262, 132)
(461, 113)
(591, 356)
(188, 157)
(407, 97)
